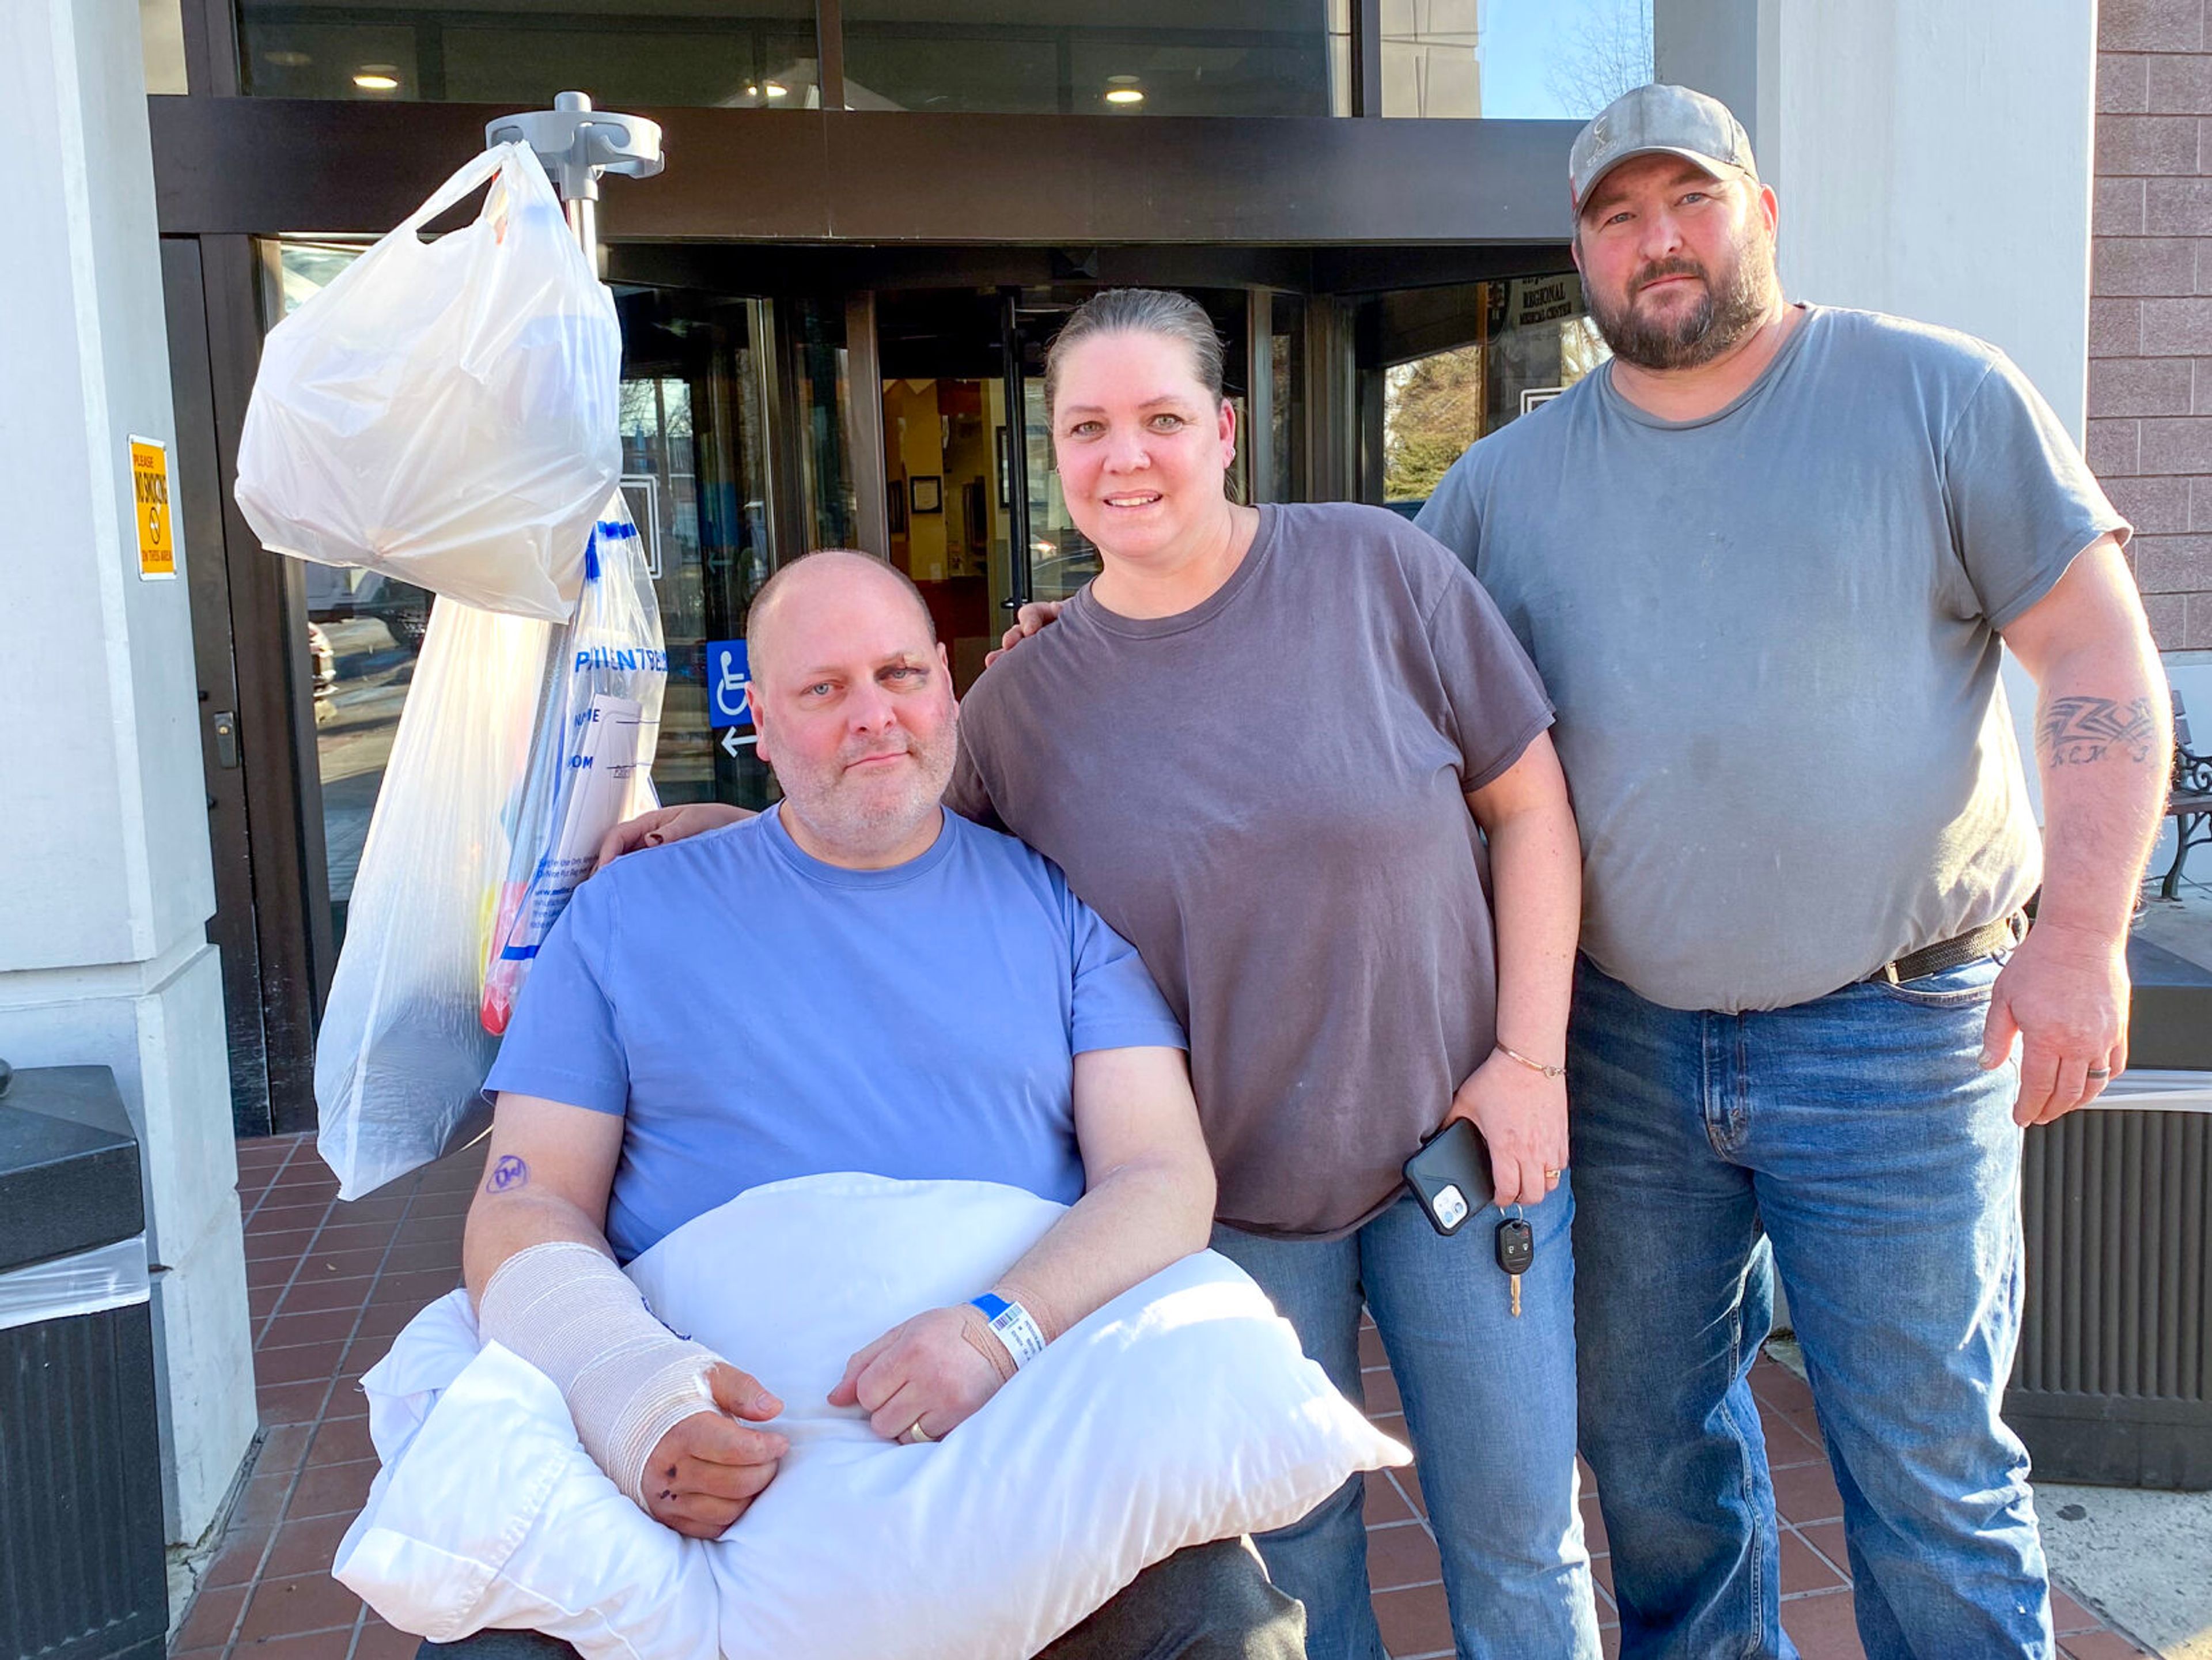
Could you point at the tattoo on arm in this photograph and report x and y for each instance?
(508, 1174)
(2074, 730)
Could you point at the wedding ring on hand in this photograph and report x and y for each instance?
(2101, 1072)
(915, 1435)
(1552, 1176)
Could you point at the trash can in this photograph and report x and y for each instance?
(81, 1569)
(2113, 1383)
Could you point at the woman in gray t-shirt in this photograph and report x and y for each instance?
(1259, 743)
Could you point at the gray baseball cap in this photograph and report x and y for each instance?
(1658, 120)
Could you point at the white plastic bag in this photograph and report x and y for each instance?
(401, 1057)
(445, 412)
(591, 761)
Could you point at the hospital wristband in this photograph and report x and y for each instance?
(1013, 1326)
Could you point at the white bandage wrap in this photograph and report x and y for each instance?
(628, 1380)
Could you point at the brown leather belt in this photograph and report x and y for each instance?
(1955, 952)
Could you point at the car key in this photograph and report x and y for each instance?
(1517, 1251)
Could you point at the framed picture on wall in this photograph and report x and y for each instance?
(928, 490)
(1006, 476)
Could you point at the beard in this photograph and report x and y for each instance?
(866, 812)
(1721, 319)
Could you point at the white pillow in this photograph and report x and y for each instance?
(1182, 1412)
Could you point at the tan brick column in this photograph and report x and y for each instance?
(2150, 313)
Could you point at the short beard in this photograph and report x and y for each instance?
(1723, 318)
(851, 819)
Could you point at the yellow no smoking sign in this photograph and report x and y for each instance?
(149, 491)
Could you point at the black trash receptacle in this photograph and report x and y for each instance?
(2113, 1384)
(81, 1569)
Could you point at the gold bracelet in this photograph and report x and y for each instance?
(1560, 1071)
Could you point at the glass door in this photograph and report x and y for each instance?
(694, 397)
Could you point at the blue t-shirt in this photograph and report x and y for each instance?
(757, 1015)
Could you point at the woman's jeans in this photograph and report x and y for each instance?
(1489, 1408)
(1854, 1145)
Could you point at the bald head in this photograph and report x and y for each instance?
(826, 578)
(853, 707)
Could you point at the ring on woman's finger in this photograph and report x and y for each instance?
(1551, 1175)
(915, 1435)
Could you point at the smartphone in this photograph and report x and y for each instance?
(1451, 1175)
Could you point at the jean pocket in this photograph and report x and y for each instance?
(1953, 988)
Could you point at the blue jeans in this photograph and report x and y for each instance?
(1490, 1410)
(1853, 1145)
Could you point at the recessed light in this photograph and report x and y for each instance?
(775, 91)
(377, 78)
(1123, 90)
(287, 60)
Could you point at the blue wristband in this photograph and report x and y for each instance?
(1013, 1326)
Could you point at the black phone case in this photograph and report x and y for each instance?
(1450, 1176)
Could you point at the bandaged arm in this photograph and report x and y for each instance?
(546, 1286)
(568, 1311)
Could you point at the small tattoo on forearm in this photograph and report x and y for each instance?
(2074, 730)
(508, 1174)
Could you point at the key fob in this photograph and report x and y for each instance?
(1516, 1245)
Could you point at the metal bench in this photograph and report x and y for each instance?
(2188, 803)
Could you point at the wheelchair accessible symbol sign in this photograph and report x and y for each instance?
(728, 677)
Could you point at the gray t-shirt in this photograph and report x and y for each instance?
(1771, 636)
(1264, 795)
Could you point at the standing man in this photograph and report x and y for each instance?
(1764, 560)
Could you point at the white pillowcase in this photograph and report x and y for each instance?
(1182, 1412)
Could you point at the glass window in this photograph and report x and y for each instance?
(161, 38)
(1077, 57)
(823, 395)
(1286, 406)
(364, 633)
(1518, 59)
(1521, 342)
(728, 53)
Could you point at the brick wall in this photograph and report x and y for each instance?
(2150, 310)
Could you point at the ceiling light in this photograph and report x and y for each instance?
(377, 78)
(775, 91)
(1123, 90)
(287, 60)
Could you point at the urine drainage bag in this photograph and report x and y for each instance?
(500, 785)
(591, 759)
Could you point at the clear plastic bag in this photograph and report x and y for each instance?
(591, 760)
(401, 1056)
(445, 412)
(107, 1277)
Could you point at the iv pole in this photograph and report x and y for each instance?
(576, 144)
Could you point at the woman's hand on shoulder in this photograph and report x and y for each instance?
(1522, 1115)
(1030, 619)
(662, 824)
